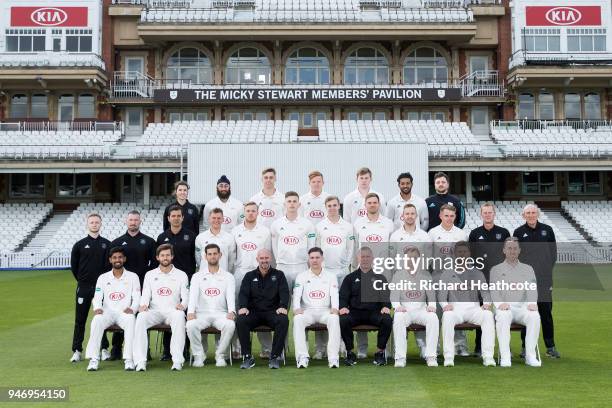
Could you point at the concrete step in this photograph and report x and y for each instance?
(47, 231)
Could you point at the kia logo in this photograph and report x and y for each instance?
(413, 294)
(563, 16)
(374, 238)
(212, 292)
(291, 240)
(227, 220)
(334, 240)
(248, 246)
(115, 296)
(49, 16)
(362, 212)
(316, 294)
(267, 213)
(164, 291)
(316, 214)
(445, 250)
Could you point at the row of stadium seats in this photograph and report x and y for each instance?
(18, 222)
(592, 217)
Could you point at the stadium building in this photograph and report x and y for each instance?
(101, 102)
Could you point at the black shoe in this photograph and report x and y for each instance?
(380, 359)
(523, 352)
(149, 355)
(247, 362)
(351, 359)
(477, 353)
(115, 354)
(552, 352)
(274, 362)
(165, 356)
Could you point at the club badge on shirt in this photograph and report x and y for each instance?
(143, 241)
(498, 236)
(186, 237)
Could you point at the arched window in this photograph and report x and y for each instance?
(546, 104)
(40, 107)
(307, 66)
(572, 106)
(366, 66)
(19, 106)
(526, 106)
(189, 64)
(87, 106)
(248, 66)
(592, 106)
(425, 65)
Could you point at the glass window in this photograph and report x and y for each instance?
(87, 106)
(592, 106)
(294, 116)
(40, 108)
(82, 184)
(425, 65)
(547, 182)
(78, 40)
(189, 64)
(307, 119)
(202, 116)
(19, 185)
(546, 104)
(353, 116)
(321, 116)
(65, 185)
(572, 106)
(586, 39)
(247, 115)
(134, 117)
(19, 106)
(66, 106)
(174, 117)
(542, 39)
(366, 115)
(27, 185)
(412, 115)
(74, 185)
(592, 182)
(440, 116)
(526, 106)
(542, 182)
(234, 116)
(380, 116)
(307, 66)
(262, 116)
(188, 116)
(583, 182)
(25, 40)
(366, 66)
(575, 182)
(248, 66)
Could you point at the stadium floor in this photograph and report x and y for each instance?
(36, 330)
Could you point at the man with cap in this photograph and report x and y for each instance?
(232, 207)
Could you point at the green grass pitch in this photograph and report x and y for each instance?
(36, 331)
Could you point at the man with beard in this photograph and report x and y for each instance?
(191, 214)
(442, 197)
(395, 206)
(232, 207)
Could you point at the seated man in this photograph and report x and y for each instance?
(462, 306)
(517, 306)
(211, 303)
(263, 300)
(373, 309)
(414, 306)
(165, 294)
(115, 301)
(315, 300)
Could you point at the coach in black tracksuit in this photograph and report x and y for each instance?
(88, 260)
(442, 197)
(539, 249)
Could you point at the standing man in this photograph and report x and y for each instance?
(164, 300)
(232, 207)
(441, 198)
(539, 250)
(353, 205)
(269, 200)
(191, 214)
(139, 250)
(315, 300)
(312, 204)
(216, 235)
(116, 301)
(88, 260)
(395, 206)
(374, 228)
(263, 300)
(211, 303)
(292, 237)
(409, 234)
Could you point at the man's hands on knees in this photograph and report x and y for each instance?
(385, 310)
(281, 310)
(98, 311)
(143, 308)
(231, 316)
(191, 316)
(343, 311)
(244, 311)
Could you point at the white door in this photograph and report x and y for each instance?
(480, 120)
(133, 121)
(134, 65)
(479, 63)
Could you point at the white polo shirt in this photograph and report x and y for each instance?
(270, 207)
(212, 292)
(337, 240)
(248, 242)
(291, 240)
(313, 207)
(232, 212)
(395, 210)
(117, 294)
(353, 206)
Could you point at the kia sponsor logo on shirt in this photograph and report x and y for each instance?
(266, 212)
(164, 291)
(334, 240)
(227, 220)
(316, 294)
(413, 294)
(116, 296)
(49, 16)
(362, 212)
(248, 246)
(212, 292)
(563, 15)
(291, 240)
(374, 238)
(316, 214)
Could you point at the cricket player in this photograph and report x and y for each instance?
(461, 306)
(116, 301)
(163, 301)
(518, 306)
(88, 260)
(445, 235)
(396, 205)
(292, 237)
(409, 234)
(315, 300)
(216, 235)
(414, 306)
(211, 303)
(441, 198)
(312, 204)
(353, 205)
(191, 214)
(269, 200)
(232, 207)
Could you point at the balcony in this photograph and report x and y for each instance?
(50, 60)
(482, 83)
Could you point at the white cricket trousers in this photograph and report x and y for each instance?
(219, 321)
(101, 322)
(174, 318)
(472, 314)
(421, 316)
(312, 316)
(521, 315)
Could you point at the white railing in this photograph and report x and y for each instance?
(482, 83)
(131, 84)
(51, 59)
(43, 260)
(531, 124)
(55, 126)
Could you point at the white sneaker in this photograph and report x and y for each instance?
(362, 356)
(533, 362)
(432, 362)
(198, 361)
(93, 365)
(334, 364)
(141, 366)
(220, 362)
(505, 362)
(302, 362)
(449, 362)
(488, 362)
(76, 357)
(105, 355)
(400, 362)
(129, 365)
(319, 355)
(176, 367)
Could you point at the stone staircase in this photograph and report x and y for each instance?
(37, 241)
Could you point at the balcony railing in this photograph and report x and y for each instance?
(533, 124)
(482, 83)
(50, 59)
(131, 84)
(55, 126)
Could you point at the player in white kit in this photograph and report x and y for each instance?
(165, 294)
(315, 300)
(353, 205)
(269, 200)
(216, 235)
(517, 306)
(232, 207)
(115, 301)
(312, 204)
(395, 206)
(212, 302)
(409, 234)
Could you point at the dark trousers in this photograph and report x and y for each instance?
(278, 322)
(548, 327)
(84, 296)
(384, 322)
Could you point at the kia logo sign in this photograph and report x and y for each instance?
(164, 291)
(291, 240)
(227, 220)
(267, 213)
(49, 16)
(212, 292)
(374, 238)
(248, 246)
(334, 240)
(361, 212)
(563, 16)
(116, 296)
(316, 294)
(316, 214)
(413, 294)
